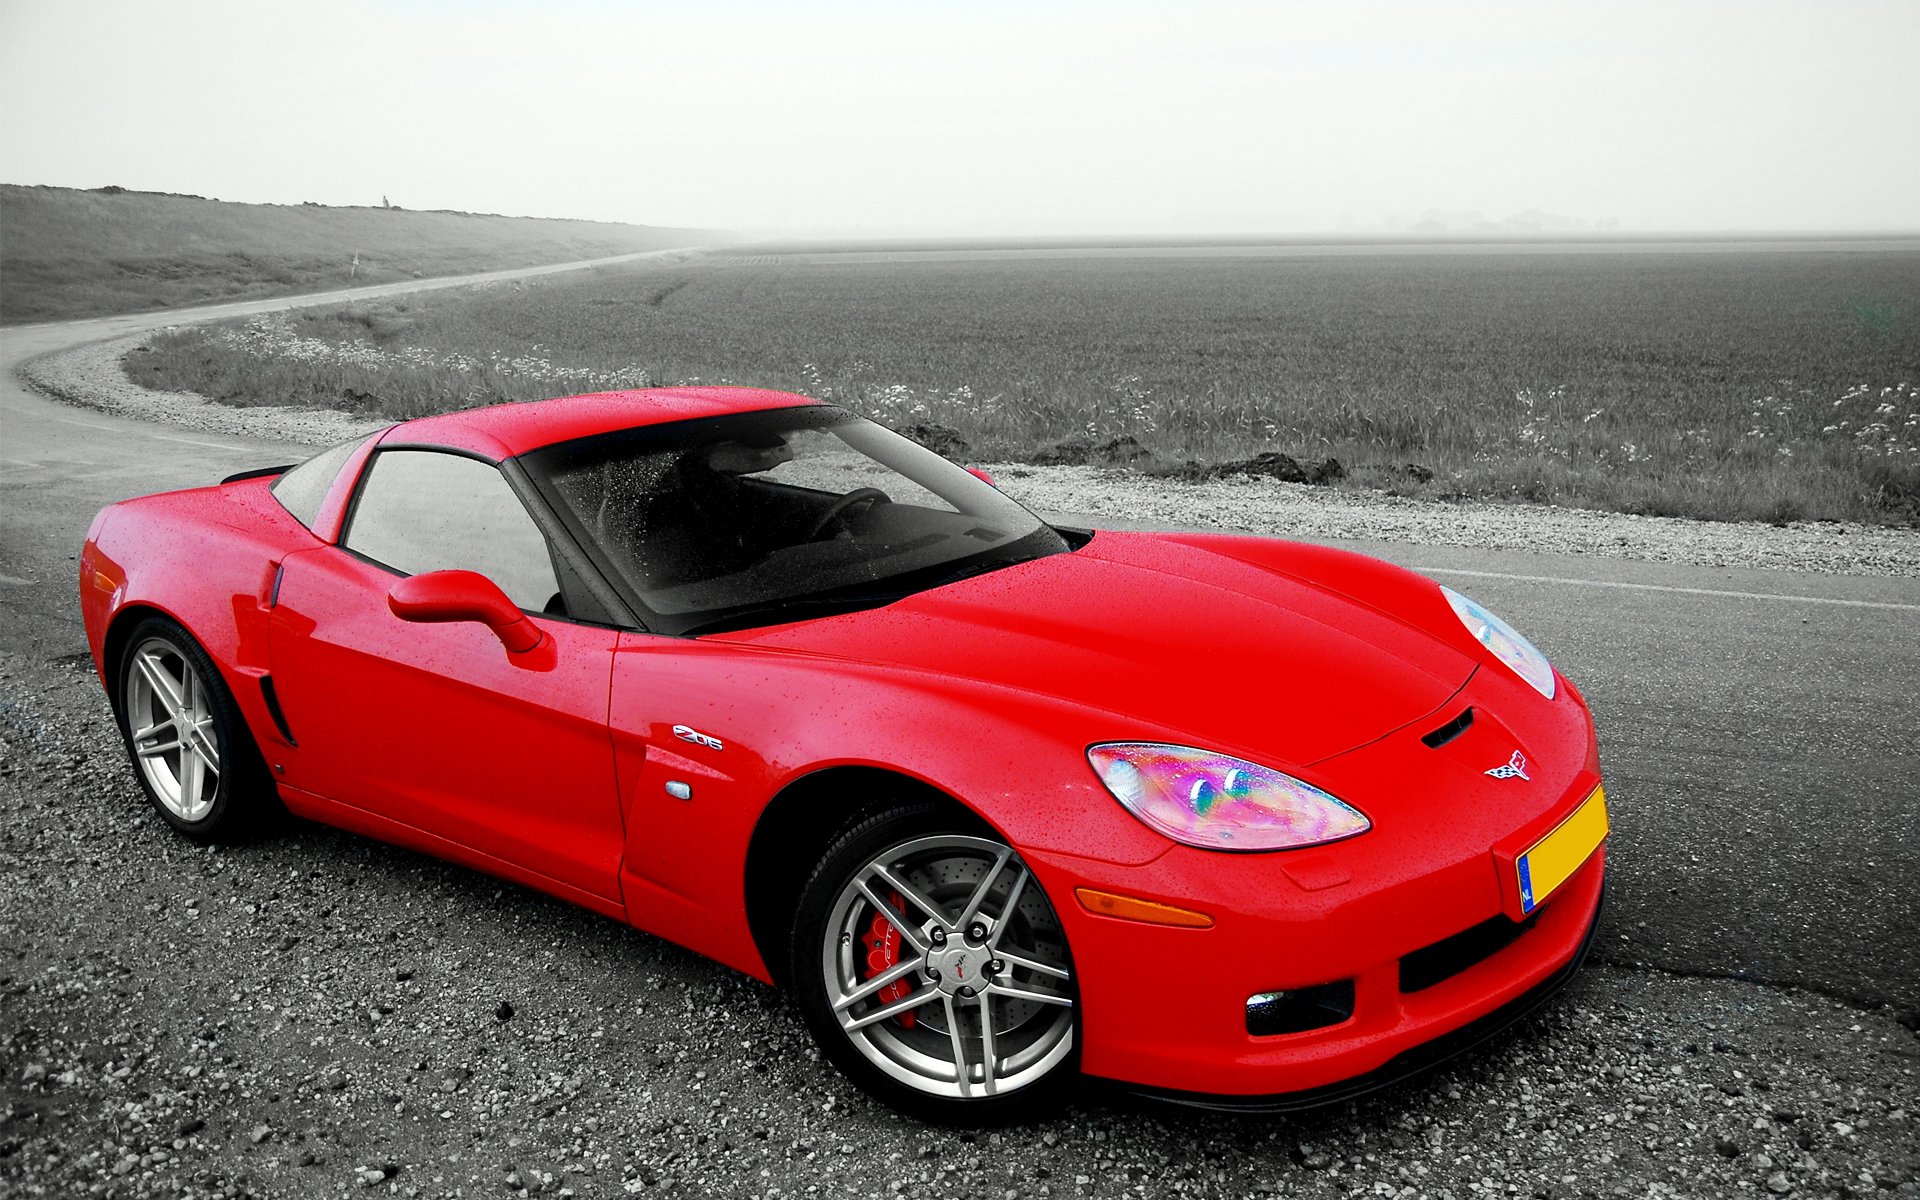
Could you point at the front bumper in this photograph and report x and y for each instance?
(1423, 1056)
(1431, 945)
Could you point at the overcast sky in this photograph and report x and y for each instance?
(964, 117)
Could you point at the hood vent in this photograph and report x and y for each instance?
(1451, 730)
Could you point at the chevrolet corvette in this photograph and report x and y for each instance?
(1233, 821)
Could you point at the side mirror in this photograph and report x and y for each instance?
(982, 476)
(464, 596)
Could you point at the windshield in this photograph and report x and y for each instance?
(766, 517)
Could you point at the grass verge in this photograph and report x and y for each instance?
(1765, 385)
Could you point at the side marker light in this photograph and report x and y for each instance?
(1147, 912)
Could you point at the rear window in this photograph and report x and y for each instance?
(302, 490)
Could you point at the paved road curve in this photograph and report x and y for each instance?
(1761, 732)
(60, 465)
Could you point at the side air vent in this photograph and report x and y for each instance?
(272, 698)
(1451, 730)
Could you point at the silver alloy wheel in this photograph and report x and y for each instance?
(170, 721)
(972, 995)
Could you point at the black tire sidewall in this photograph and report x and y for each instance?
(860, 843)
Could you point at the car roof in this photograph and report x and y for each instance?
(501, 431)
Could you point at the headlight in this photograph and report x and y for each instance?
(1218, 802)
(1505, 643)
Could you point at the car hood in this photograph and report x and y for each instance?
(1170, 640)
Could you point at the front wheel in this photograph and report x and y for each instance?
(933, 971)
(188, 742)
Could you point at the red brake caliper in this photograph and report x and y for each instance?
(883, 951)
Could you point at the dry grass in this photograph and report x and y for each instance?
(1768, 384)
(70, 253)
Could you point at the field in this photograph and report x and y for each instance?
(69, 253)
(1771, 382)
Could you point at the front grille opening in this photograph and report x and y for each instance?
(1443, 960)
(1451, 730)
(1301, 1009)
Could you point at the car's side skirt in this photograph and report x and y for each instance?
(359, 820)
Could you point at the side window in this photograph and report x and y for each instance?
(421, 510)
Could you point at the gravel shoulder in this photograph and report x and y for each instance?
(90, 376)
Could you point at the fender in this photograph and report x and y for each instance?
(229, 541)
(1019, 756)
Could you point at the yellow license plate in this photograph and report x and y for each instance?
(1555, 857)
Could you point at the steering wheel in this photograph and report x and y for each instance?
(838, 508)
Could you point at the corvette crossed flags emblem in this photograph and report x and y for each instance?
(1513, 768)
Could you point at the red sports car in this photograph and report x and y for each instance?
(1227, 819)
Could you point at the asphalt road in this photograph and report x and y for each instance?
(1760, 732)
(1765, 759)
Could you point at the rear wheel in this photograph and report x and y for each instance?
(190, 747)
(933, 970)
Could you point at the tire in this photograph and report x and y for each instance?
(210, 784)
(891, 899)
